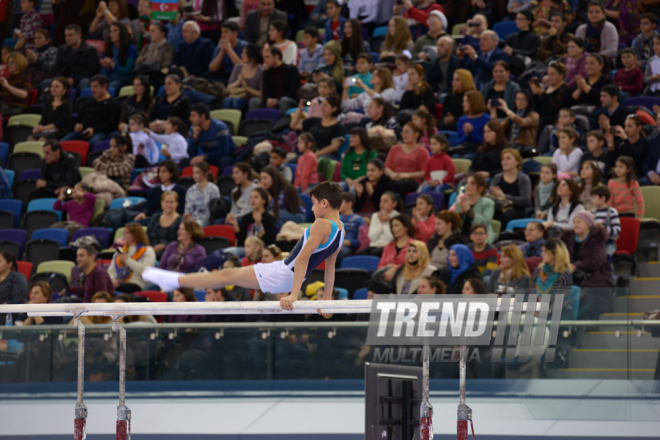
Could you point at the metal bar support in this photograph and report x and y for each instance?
(426, 409)
(123, 413)
(80, 420)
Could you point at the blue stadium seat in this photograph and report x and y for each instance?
(438, 198)
(360, 293)
(10, 178)
(30, 174)
(4, 150)
(59, 235)
(101, 234)
(379, 32)
(13, 206)
(505, 28)
(264, 113)
(43, 205)
(519, 223)
(450, 135)
(17, 235)
(307, 200)
(200, 295)
(119, 203)
(375, 56)
(366, 262)
(101, 145)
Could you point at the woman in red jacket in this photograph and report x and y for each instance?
(394, 253)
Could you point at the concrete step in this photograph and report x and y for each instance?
(637, 303)
(595, 373)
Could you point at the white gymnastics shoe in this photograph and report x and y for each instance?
(166, 279)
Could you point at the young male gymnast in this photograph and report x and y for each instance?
(321, 241)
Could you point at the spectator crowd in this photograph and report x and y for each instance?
(482, 147)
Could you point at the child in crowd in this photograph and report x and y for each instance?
(548, 140)
(423, 217)
(174, 144)
(278, 161)
(145, 150)
(485, 254)
(400, 76)
(312, 54)
(439, 161)
(597, 153)
(306, 171)
(589, 178)
(352, 222)
(334, 24)
(29, 24)
(78, 203)
(626, 196)
(545, 192)
(643, 43)
(325, 87)
(253, 248)
(425, 122)
(630, 78)
(354, 163)
(380, 233)
(652, 72)
(244, 177)
(363, 65)
(567, 157)
(606, 216)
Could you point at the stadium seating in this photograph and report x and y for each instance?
(61, 266)
(56, 234)
(226, 231)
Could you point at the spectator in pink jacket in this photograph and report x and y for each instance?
(306, 170)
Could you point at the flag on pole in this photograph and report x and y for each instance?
(164, 9)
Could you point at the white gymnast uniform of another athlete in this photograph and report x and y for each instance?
(321, 241)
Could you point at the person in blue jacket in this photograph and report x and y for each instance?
(212, 136)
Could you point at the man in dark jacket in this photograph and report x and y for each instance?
(76, 60)
(481, 65)
(440, 70)
(88, 277)
(258, 21)
(59, 172)
(196, 52)
(281, 83)
(98, 117)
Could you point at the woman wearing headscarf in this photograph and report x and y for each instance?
(416, 266)
(461, 267)
(334, 64)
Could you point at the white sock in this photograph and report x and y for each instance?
(166, 279)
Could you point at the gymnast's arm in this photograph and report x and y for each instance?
(319, 233)
(329, 276)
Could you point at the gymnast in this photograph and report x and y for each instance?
(321, 241)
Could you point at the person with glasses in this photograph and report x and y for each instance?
(485, 254)
(521, 46)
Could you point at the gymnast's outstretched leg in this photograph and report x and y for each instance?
(168, 281)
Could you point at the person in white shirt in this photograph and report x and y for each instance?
(567, 156)
(400, 76)
(380, 233)
(174, 146)
(145, 150)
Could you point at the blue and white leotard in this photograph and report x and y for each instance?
(277, 277)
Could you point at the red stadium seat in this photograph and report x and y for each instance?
(80, 147)
(153, 295)
(226, 231)
(25, 267)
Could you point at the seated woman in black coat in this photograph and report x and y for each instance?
(461, 267)
(174, 103)
(587, 91)
(586, 247)
(548, 101)
(418, 91)
(328, 131)
(487, 159)
(57, 114)
(137, 103)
